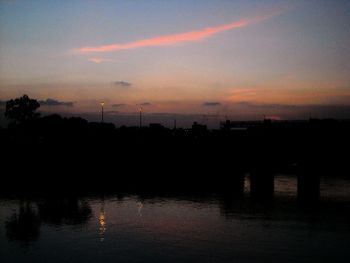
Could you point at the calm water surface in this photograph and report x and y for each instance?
(211, 228)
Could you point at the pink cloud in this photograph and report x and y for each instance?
(99, 60)
(167, 40)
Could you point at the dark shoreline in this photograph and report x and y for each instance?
(56, 154)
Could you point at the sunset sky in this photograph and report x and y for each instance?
(239, 58)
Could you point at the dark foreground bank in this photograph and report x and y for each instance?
(59, 154)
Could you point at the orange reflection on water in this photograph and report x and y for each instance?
(102, 223)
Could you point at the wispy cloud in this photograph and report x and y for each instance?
(53, 102)
(166, 40)
(211, 104)
(99, 60)
(118, 105)
(112, 112)
(122, 83)
(145, 104)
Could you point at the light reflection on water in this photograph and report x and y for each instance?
(102, 221)
(211, 228)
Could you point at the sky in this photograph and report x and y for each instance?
(221, 58)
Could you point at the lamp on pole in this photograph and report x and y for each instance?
(140, 117)
(102, 104)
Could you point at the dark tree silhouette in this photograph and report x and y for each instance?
(22, 109)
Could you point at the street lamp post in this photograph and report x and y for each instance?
(102, 104)
(140, 117)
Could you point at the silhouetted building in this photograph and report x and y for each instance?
(198, 128)
(231, 125)
(225, 125)
(156, 126)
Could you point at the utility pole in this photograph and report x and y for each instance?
(102, 104)
(140, 117)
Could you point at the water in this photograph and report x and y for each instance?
(209, 228)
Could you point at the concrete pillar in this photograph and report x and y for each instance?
(308, 187)
(231, 194)
(262, 184)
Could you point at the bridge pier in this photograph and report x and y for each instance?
(262, 184)
(232, 194)
(308, 187)
(234, 187)
(238, 184)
